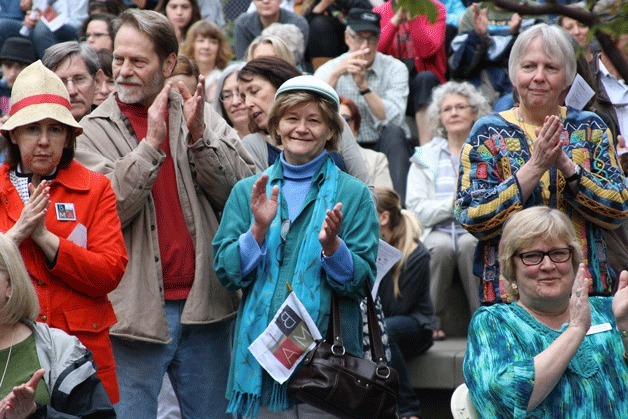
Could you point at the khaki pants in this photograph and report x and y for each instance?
(443, 263)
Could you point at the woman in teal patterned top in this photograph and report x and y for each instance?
(555, 351)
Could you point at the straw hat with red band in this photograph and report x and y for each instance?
(39, 94)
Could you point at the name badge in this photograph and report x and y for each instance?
(599, 328)
(65, 211)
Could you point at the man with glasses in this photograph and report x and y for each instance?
(78, 68)
(378, 84)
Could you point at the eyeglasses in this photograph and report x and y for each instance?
(347, 118)
(78, 81)
(371, 40)
(95, 35)
(555, 255)
(458, 108)
(285, 229)
(228, 95)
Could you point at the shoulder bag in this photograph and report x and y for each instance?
(345, 385)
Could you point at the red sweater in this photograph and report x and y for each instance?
(175, 243)
(426, 44)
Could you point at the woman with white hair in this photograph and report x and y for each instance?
(541, 153)
(431, 189)
(228, 103)
(269, 46)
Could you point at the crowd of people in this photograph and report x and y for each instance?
(168, 180)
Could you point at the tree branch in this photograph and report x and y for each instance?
(582, 16)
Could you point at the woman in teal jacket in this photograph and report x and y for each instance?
(301, 222)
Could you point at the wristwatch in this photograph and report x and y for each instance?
(365, 91)
(575, 175)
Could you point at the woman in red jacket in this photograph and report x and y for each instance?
(62, 216)
(421, 46)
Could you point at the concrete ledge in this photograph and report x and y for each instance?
(440, 367)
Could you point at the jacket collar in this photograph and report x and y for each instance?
(75, 176)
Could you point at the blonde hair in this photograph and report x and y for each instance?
(279, 46)
(529, 226)
(405, 228)
(22, 302)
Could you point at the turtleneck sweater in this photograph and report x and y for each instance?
(297, 184)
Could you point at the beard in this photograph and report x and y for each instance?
(139, 93)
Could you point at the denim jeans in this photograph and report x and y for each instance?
(40, 35)
(196, 360)
(407, 339)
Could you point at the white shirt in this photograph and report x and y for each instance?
(617, 92)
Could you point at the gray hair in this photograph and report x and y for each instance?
(279, 45)
(291, 35)
(57, 53)
(466, 89)
(556, 44)
(220, 83)
(155, 26)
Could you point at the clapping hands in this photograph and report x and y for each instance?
(20, 403)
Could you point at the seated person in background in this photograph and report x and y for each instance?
(269, 46)
(577, 30)
(78, 67)
(16, 54)
(432, 187)
(74, 12)
(181, 14)
(405, 294)
(250, 25)
(108, 85)
(420, 44)
(376, 162)
(378, 84)
(611, 100)
(555, 351)
(185, 71)
(293, 38)
(480, 51)
(327, 27)
(70, 386)
(113, 7)
(211, 11)
(228, 103)
(97, 31)
(208, 46)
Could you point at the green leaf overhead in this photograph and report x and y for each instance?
(418, 7)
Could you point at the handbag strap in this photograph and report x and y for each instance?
(375, 337)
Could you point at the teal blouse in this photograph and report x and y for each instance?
(499, 366)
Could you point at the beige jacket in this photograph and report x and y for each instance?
(206, 172)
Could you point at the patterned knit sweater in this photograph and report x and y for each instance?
(489, 193)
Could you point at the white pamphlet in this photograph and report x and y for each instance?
(387, 256)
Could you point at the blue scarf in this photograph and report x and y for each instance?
(246, 386)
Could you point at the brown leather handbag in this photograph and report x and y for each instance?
(345, 385)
